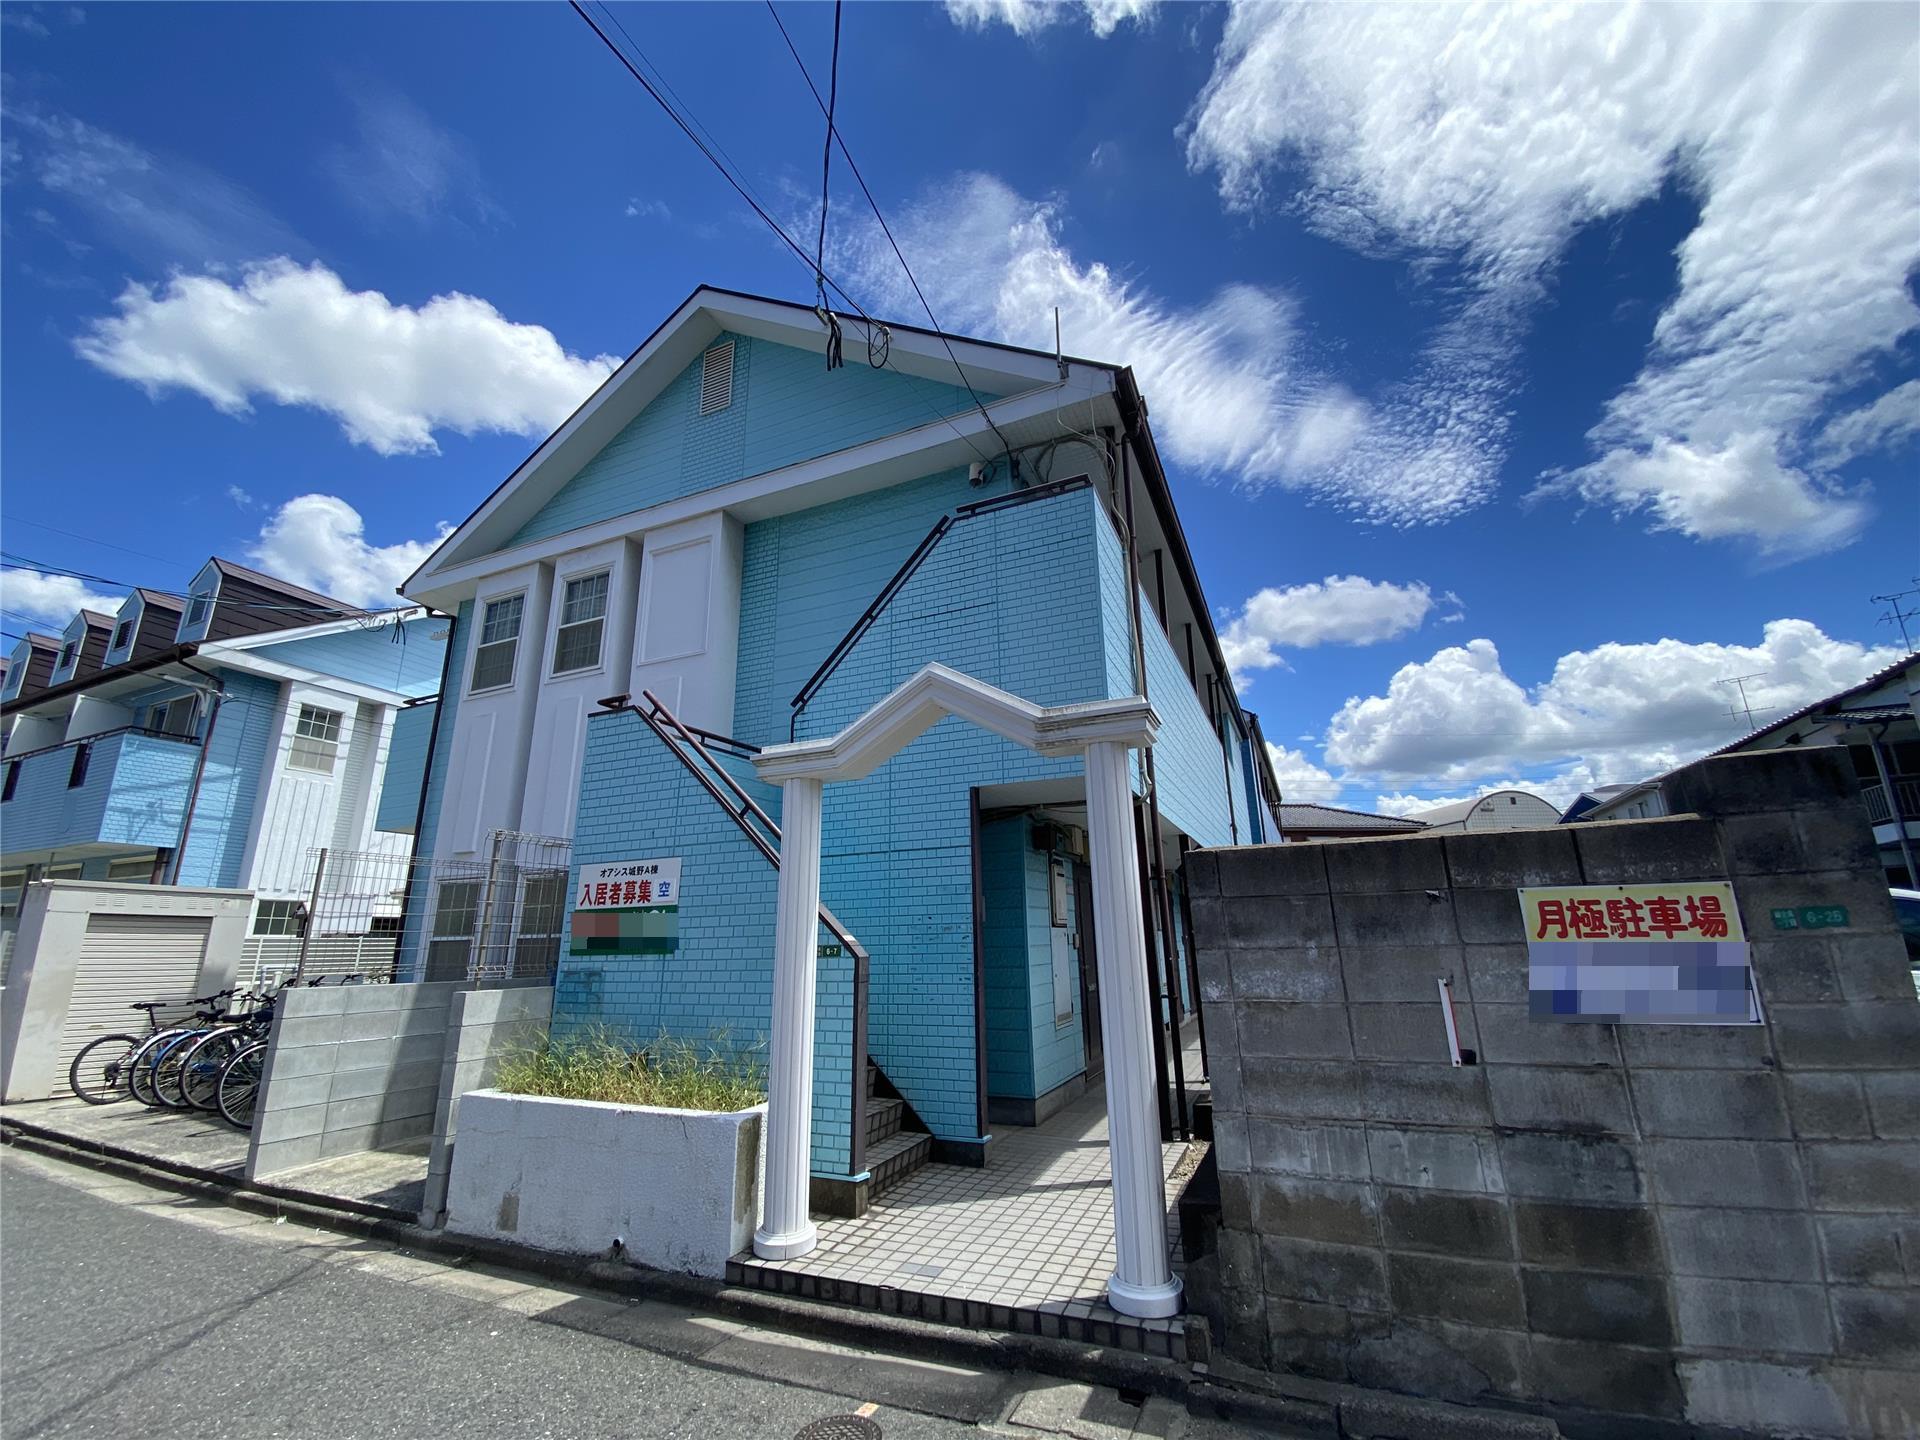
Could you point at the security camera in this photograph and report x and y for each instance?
(977, 474)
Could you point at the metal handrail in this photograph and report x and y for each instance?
(103, 735)
(659, 724)
(907, 571)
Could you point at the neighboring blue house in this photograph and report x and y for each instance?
(766, 547)
(216, 739)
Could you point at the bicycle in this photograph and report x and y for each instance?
(239, 1086)
(156, 1063)
(102, 1072)
(197, 1079)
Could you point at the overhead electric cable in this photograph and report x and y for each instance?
(835, 136)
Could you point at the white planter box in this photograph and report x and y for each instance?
(679, 1188)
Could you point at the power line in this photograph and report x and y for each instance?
(885, 228)
(92, 540)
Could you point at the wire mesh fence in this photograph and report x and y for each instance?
(392, 917)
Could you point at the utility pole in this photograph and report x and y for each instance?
(1745, 705)
(1895, 615)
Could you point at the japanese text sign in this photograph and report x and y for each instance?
(1672, 954)
(628, 907)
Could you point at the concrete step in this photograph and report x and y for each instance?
(883, 1119)
(892, 1160)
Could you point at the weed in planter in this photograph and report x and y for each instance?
(672, 1072)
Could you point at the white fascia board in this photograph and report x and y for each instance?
(694, 326)
(266, 638)
(253, 664)
(874, 465)
(935, 692)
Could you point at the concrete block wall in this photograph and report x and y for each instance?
(484, 1027)
(350, 1068)
(1640, 1225)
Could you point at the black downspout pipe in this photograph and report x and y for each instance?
(426, 779)
(979, 967)
(199, 772)
(1193, 960)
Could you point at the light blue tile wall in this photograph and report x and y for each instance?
(135, 793)
(405, 657)
(1187, 758)
(721, 978)
(1011, 598)
(399, 807)
(236, 759)
(787, 406)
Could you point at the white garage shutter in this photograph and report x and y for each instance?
(123, 959)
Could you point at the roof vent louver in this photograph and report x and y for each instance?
(716, 379)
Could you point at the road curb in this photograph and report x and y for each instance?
(1322, 1411)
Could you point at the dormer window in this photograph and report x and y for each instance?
(198, 607)
(122, 636)
(68, 652)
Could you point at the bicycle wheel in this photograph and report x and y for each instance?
(100, 1072)
(240, 1085)
(140, 1067)
(166, 1069)
(200, 1066)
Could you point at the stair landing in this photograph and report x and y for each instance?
(1024, 1244)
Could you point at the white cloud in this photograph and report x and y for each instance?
(1301, 781)
(320, 541)
(243, 498)
(1891, 420)
(1488, 136)
(1029, 17)
(24, 21)
(403, 164)
(1617, 712)
(1340, 610)
(390, 374)
(52, 599)
(638, 209)
(1233, 390)
(160, 208)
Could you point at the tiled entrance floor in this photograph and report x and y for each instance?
(1025, 1243)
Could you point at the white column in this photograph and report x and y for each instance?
(785, 1231)
(1143, 1283)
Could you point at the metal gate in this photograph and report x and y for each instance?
(392, 917)
(125, 958)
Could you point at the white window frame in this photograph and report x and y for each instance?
(69, 657)
(480, 643)
(562, 625)
(160, 716)
(13, 888)
(116, 644)
(71, 870)
(145, 862)
(277, 917)
(188, 624)
(303, 743)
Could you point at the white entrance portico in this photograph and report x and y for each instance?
(1103, 731)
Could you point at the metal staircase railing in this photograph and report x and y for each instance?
(689, 744)
(907, 571)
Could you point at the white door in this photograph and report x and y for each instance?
(125, 958)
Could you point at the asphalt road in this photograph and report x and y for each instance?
(129, 1311)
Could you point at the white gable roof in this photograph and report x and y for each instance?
(1001, 370)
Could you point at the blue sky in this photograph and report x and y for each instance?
(1521, 374)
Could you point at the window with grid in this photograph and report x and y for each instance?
(499, 643)
(536, 945)
(316, 740)
(277, 917)
(583, 616)
(122, 633)
(456, 912)
(197, 608)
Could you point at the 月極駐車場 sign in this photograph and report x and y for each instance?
(1638, 954)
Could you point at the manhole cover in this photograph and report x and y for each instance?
(840, 1427)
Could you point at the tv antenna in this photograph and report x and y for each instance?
(1895, 615)
(1743, 705)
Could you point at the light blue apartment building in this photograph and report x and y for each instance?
(731, 546)
(215, 738)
